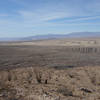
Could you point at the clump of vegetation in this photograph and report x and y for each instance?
(64, 91)
(86, 90)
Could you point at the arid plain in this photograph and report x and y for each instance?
(57, 69)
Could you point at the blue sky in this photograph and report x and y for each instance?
(20, 18)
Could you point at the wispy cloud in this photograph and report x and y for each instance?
(74, 19)
(60, 11)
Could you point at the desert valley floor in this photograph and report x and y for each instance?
(62, 69)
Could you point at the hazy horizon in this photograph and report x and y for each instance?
(44, 35)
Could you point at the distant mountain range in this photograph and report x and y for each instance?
(55, 36)
(83, 34)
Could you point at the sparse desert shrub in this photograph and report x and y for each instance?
(64, 91)
(86, 90)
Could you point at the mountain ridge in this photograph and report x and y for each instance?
(55, 36)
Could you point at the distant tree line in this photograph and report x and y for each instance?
(84, 49)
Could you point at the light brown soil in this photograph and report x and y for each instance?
(82, 83)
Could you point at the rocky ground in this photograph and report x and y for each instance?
(40, 83)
